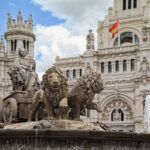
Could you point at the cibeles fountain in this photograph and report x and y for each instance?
(46, 115)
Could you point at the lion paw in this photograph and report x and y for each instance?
(64, 103)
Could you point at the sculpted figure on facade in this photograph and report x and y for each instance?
(117, 115)
(144, 66)
(146, 33)
(82, 95)
(22, 73)
(90, 40)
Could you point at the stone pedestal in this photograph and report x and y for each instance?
(72, 140)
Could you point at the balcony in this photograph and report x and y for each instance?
(116, 50)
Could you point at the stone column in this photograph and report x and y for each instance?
(106, 67)
(128, 66)
(113, 67)
(77, 73)
(121, 66)
(133, 42)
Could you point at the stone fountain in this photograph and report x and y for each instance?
(48, 117)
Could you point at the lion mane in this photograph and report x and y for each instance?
(91, 83)
(81, 96)
(62, 89)
(49, 96)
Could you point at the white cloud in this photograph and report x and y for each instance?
(55, 41)
(80, 15)
(67, 39)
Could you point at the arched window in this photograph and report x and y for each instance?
(74, 73)
(127, 38)
(102, 67)
(134, 3)
(28, 45)
(124, 4)
(24, 44)
(80, 72)
(117, 66)
(12, 45)
(15, 45)
(129, 4)
(124, 65)
(109, 67)
(116, 42)
(67, 73)
(117, 115)
(137, 41)
(132, 64)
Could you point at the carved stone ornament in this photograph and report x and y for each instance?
(146, 33)
(144, 66)
(116, 105)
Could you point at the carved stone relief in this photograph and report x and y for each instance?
(113, 107)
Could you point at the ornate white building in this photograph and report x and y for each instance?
(122, 61)
(19, 35)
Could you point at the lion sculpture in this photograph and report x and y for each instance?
(53, 94)
(82, 94)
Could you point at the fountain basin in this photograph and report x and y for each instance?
(72, 140)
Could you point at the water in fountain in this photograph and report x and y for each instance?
(147, 114)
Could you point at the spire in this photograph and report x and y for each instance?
(9, 21)
(19, 18)
(30, 22)
(2, 46)
(90, 40)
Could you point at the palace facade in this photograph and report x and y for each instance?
(122, 61)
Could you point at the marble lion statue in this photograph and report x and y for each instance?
(81, 96)
(53, 94)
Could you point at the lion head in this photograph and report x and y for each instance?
(91, 81)
(54, 81)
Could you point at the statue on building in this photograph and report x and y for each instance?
(23, 74)
(117, 115)
(144, 66)
(88, 69)
(90, 40)
(146, 33)
(100, 34)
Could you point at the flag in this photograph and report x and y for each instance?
(114, 29)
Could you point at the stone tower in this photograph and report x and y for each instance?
(19, 35)
(90, 41)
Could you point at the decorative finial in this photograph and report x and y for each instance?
(19, 12)
(19, 18)
(90, 31)
(1, 37)
(30, 22)
(90, 40)
(9, 16)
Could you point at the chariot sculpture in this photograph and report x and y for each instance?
(25, 82)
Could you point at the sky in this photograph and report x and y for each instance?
(60, 26)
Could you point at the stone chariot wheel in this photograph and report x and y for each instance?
(10, 110)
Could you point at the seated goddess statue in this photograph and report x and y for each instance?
(20, 72)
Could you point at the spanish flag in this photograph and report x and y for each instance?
(114, 29)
